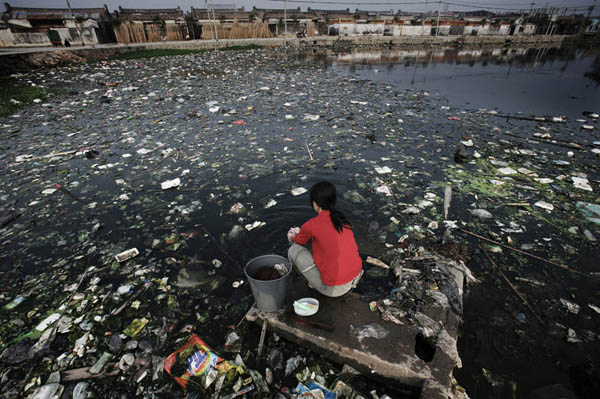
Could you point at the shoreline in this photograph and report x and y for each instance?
(23, 59)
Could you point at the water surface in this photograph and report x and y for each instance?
(534, 81)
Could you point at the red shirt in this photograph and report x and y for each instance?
(335, 254)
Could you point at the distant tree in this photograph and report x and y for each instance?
(251, 17)
(356, 17)
(157, 19)
(222, 18)
(79, 19)
(4, 17)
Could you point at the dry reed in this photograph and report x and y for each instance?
(153, 32)
(236, 30)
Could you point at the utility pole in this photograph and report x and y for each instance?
(212, 6)
(212, 31)
(437, 29)
(591, 9)
(424, 15)
(76, 24)
(285, 17)
(530, 11)
(550, 17)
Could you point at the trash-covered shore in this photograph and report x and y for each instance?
(131, 201)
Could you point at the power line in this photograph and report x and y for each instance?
(524, 4)
(496, 8)
(354, 3)
(471, 5)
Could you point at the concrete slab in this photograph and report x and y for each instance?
(392, 357)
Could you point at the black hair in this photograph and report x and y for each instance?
(324, 194)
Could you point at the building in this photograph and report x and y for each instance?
(28, 26)
(22, 26)
(331, 15)
(222, 13)
(139, 25)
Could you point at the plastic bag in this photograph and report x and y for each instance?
(372, 330)
(196, 362)
(314, 390)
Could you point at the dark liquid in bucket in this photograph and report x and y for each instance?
(267, 273)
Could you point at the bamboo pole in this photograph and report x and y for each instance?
(565, 267)
(512, 286)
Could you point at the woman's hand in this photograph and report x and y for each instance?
(292, 233)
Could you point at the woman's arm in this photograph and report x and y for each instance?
(292, 232)
(304, 236)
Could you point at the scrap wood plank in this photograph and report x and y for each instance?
(84, 373)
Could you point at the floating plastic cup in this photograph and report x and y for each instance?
(269, 294)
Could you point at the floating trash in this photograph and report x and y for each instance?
(544, 205)
(168, 184)
(481, 213)
(126, 255)
(135, 327)
(298, 191)
(124, 127)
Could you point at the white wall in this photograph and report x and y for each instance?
(504, 29)
(89, 35)
(444, 30)
(488, 30)
(351, 29)
(469, 29)
(6, 38)
(528, 29)
(10, 39)
(416, 30)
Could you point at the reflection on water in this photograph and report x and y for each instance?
(520, 57)
(538, 81)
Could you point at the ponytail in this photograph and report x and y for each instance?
(324, 195)
(339, 220)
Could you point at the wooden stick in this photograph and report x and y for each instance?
(528, 254)
(58, 154)
(261, 341)
(70, 194)
(523, 118)
(219, 246)
(246, 315)
(511, 285)
(308, 149)
(131, 299)
(567, 144)
(55, 327)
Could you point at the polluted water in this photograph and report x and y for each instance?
(133, 196)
